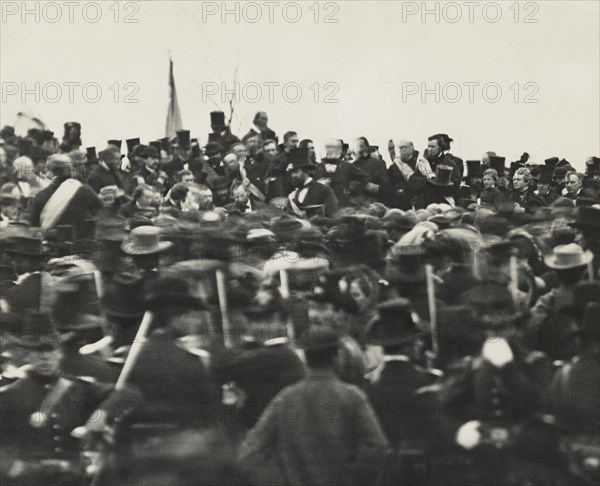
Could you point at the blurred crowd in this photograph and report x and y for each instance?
(240, 312)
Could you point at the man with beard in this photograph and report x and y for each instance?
(243, 202)
(345, 179)
(254, 168)
(378, 185)
(308, 192)
(105, 172)
(436, 155)
(260, 128)
(215, 174)
(221, 131)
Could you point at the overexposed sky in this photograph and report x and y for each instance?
(371, 65)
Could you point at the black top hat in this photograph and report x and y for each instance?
(132, 143)
(123, 296)
(116, 143)
(394, 325)
(213, 148)
(586, 217)
(164, 144)
(546, 173)
(497, 163)
(319, 338)
(217, 119)
(169, 290)
(183, 139)
(39, 333)
(90, 153)
(157, 145)
(443, 174)
(473, 168)
(300, 158)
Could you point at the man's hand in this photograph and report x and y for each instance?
(497, 352)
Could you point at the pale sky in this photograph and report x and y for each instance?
(375, 61)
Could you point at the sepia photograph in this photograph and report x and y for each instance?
(300, 243)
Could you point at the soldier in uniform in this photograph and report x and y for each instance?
(40, 410)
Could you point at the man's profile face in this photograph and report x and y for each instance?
(406, 151)
(147, 199)
(240, 196)
(45, 362)
(433, 148)
(311, 148)
(573, 184)
(292, 142)
(359, 147)
(262, 120)
(270, 151)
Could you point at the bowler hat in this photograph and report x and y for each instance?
(144, 240)
(217, 119)
(564, 257)
(443, 174)
(123, 296)
(213, 148)
(150, 151)
(394, 324)
(586, 217)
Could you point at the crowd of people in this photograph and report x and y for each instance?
(239, 312)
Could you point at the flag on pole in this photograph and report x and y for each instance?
(173, 113)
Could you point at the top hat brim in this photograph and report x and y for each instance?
(439, 184)
(127, 248)
(55, 341)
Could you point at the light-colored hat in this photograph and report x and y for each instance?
(144, 240)
(564, 257)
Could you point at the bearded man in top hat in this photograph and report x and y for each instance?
(221, 131)
(215, 174)
(40, 410)
(437, 154)
(545, 190)
(308, 191)
(149, 172)
(183, 157)
(314, 448)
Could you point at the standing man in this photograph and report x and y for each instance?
(105, 172)
(335, 437)
(400, 173)
(378, 185)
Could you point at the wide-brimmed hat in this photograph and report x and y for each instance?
(406, 264)
(586, 217)
(564, 257)
(144, 240)
(123, 296)
(169, 290)
(213, 148)
(394, 325)
(443, 175)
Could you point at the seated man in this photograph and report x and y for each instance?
(243, 201)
